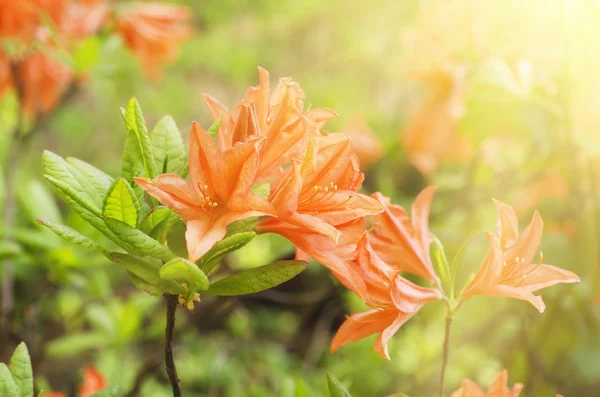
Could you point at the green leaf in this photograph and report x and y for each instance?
(242, 226)
(110, 391)
(8, 249)
(144, 286)
(184, 271)
(99, 179)
(134, 121)
(139, 243)
(441, 266)
(133, 166)
(76, 343)
(214, 128)
(147, 271)
(300, 389)
(211, 259)
(168, 147)
(262, 189)
(20, 368)
(73, 236)
(37, 200)
(121, 203)
(67, 178)
(8, 387)
(335, 387)
(257, 279)
(158, 221)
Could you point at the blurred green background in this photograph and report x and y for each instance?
(483, 99)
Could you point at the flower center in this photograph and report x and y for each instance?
(207, 204)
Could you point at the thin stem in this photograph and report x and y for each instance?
(169, 340)
(449, 318)
(9, 214)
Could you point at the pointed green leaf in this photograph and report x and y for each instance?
(242, 226)
(73, 236)
(257, 279)
(335, 387)
(147, 270)
(20, 368)
(93, 219)
(133, 166)
(168, 147)
(211, 259)
(139, 243)
(134, 121)
(214, 128)
(99, 179)
(184, 271)
(69, 179)
(158, 221)
(8, 387)
(108, 392)
(121, 204)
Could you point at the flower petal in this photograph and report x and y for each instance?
(174, 192)
(202, 234)
(507, 224)
(409, 297)
(204, 159)
(519, 293)
(547, 275)
(361, 325)
(383, 338)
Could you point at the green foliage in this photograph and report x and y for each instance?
(441, 266)
(335, 387)
(8, 387)
(184, 271)
(147, 270)
(257, 279)
(73, 236)
(108, 392)
(21, 371)
(121, 203)
(138, 158)
(169, 151)
(234, 242)
(158, 222)
(214, 128)
(137, 242)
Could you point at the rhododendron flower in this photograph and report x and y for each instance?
(509, 269)
(332, 255)
(319, 190)
(403, 241)
(432, 133)
(280, 117)
(367, 146)
(93, 381)
(498, 388)
(18, 19)
(218, 194)
(393, 298)
(154, 32)
(44, 79)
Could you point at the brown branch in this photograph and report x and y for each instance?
(446, 353)
(169, 341)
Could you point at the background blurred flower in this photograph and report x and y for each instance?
(498, 388)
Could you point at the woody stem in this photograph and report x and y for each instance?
(169, 341)
(449, 318)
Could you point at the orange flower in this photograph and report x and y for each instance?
(93, 381)
(53, 394)
(84, 18)
(219, 192)
(18, 19)
(393, 298)
(507, 269)
(432, 134)
(367, 146)
(498, 388)
(332, 255)
(318, 191)
(279, 117)
(403, 241)
(154, 32)
(43, 79)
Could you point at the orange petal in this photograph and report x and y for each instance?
(361, 325)
(205, 158)
(547, 275)
(285, 197)
(469, 389)
(409, 297)
(174, 192)
(507, 224)
(490, 271)
(202, 234)
(519, 293)
(527, 244)
(383, 339)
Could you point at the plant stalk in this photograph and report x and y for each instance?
(449, 318)
(169, 341)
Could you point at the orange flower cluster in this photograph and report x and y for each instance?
(93, 381)
(42, 31)
(268, 137)
(313, 202)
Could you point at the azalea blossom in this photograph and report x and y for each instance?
(403, 241)
(93, 381)
(393, 299)
(498, 388)
(154, 32)
(219, 191)
(279, 117)
(509, 268)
